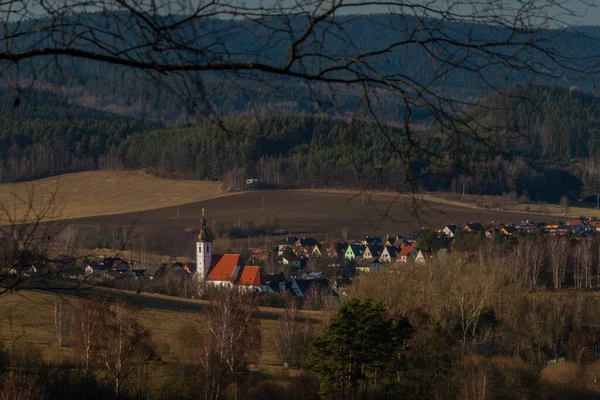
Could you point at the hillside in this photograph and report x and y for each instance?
(119, 89)
(103, 192)
(553, 122)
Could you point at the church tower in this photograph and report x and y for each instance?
(203, 251)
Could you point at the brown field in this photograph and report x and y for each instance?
(85, 194)
(312, 213)
(26, 318)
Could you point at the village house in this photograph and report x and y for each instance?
(371, 251)
(355, 252)
(407, 253)
(472, 227)
(450, 230)
(367, 265)
(388, 254)
(294, 262)
(392, 240)
(337, 250)
(286, 243)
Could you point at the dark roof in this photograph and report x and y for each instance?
(368, 262)
(204, 235)
(474, 226)
(358, 249)
(392, 251)
(290, 240)
(307, 242)
(375, 250)
(274, 278)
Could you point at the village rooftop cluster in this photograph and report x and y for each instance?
(296, 256)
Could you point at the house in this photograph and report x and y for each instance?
(388, 254)
(392, 240)
(491, 231)
(276, 282)
(337, 250)
(595, 225)
(317, 250)
(408, 253)
(93, 268)
(371, 251)
(355, 252)
(450, 230)
(422, 256)
(472, 227)
(294, 262)
(251, 279)
(368, 265)
(508, 230)
(288, 242)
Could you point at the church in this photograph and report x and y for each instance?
(224, 269)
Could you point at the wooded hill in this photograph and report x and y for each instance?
(102, 86)
(46, 136)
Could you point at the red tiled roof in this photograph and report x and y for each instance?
(224, 267)
(573, 222)
(250, 276)
(407, 250)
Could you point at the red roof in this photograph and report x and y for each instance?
(573, 222)
(224, 267)
(407, 250)
(250, 276)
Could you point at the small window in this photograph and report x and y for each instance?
(199, 248)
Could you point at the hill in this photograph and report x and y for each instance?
(122, 90)
(103, 192)
(552, 122)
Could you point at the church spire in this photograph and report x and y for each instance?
(204, 235)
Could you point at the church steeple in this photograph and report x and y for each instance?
(203, 250)
(204, 235)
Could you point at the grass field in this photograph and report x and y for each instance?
(26, 318)
(85, 194)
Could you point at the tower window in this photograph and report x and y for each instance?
(199, 248)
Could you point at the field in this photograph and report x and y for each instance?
(311, 213)
(26, 318)
(85, 194)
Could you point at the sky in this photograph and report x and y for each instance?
(587, 11)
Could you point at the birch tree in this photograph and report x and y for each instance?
(558, 254)
(232, 338)
(90, 322)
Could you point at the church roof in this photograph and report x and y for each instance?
(250, 276)
(224, 267)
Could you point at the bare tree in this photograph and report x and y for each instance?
(64, 321)
(558, 254)
(123, 338)
(232, 337)
(293, 335)
(90, 322)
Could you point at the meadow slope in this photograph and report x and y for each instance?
(85, 194)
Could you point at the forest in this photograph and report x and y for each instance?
(550, 137)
